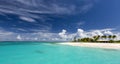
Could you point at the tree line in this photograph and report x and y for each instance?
(107, 38)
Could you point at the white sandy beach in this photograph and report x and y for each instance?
(94, 45)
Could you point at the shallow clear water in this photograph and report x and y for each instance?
(47, 53)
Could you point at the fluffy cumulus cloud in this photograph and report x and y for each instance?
(63, 34)
(48, 36)
(100, 32)
(82, 34)
(28, 19)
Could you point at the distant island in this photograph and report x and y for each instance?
(98, 39)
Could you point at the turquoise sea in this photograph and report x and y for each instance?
(51, 53)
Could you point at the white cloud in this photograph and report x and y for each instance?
(118, 36)
(4, 32)
(80, 23)
(86, 8)
(27, 7)
(96, 32)
(80, 30)
(108, 32)
(81, 33)
(63, 34)
(48, 36)
(27, 19)
(19, 37)
(36, 10)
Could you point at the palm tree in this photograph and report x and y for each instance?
(85, 40)
(96, 37)
(110, 36)
(104, 36)
(114, 36)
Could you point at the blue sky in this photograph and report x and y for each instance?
(58, 19)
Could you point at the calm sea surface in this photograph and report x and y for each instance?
(51, 53)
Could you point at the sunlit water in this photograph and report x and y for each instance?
(47, 53)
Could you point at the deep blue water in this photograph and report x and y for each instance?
(51, 53)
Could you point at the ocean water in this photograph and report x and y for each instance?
(48, 53)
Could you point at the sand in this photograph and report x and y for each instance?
(94, 45)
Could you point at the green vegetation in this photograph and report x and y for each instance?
(117, 41)
(107, 39)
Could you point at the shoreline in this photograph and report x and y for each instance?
(93, 45)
